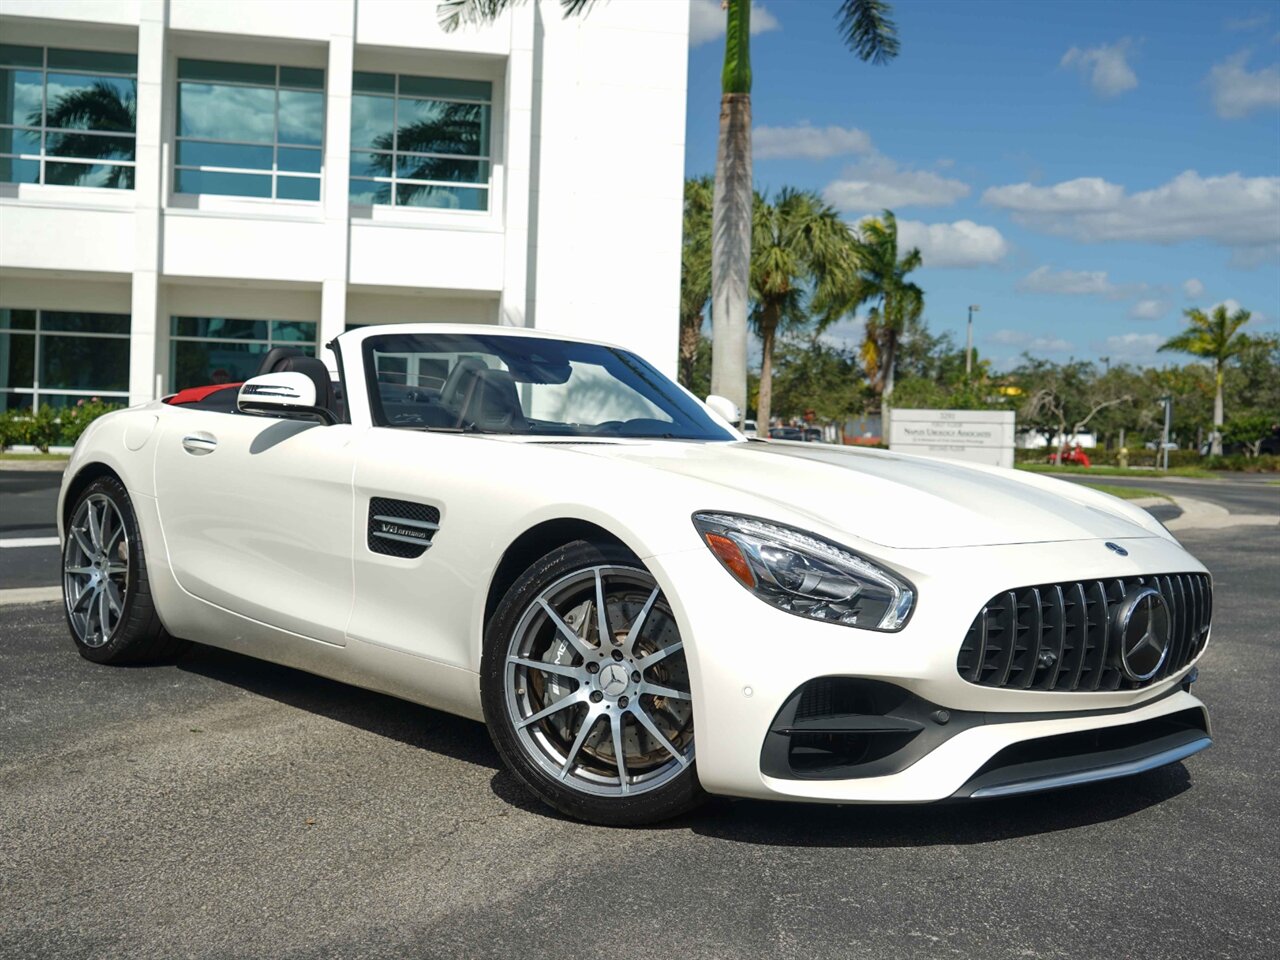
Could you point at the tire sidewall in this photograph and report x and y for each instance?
(678, 795)
(114, 649)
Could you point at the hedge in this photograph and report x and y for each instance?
(49, 426)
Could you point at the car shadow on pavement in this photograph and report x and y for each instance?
(948, 823)
(386, 716)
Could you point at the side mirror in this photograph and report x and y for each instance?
(725, 409)
(289, 396)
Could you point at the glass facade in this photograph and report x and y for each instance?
(67, 117)
(205, 350)
(420, 141)
(53, 358)
(249, 130)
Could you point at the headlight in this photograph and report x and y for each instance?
(802, 574)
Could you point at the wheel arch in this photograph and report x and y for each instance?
(78, 483)
(538, 541)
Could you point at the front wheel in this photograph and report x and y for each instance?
(586, 689)
(107, 597)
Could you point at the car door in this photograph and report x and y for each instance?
(257, 516)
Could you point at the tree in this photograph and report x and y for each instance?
(803, 256)
(98, 107)
(813, 375)
(1062, 399)
(1216, 338)
(899, 303)
(866, 28)
(695, 272)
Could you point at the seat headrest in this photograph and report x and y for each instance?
(493, 402)
(316, 371)
(275, 357)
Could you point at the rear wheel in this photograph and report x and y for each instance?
(106, 595)
(586, 689)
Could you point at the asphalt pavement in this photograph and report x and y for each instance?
(223, 807)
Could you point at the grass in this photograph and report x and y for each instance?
(1127, 493)
(1198, 473)
(36, 457)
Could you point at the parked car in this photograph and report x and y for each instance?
(548, 535)
(786, 433)
(749, 428)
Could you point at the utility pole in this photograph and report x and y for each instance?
(1168, 423)
(968, 343)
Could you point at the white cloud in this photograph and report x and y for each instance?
(845, 334)
(1072, 282)
(1141, 347)
(1193, 288)
(1237, 92)
(807, 142)
(1244, 24)
(879, 183)
(1149, 310)
(1030, 343)
(1239, 212)
(960, 244)
(707, 21)
(1106, 67)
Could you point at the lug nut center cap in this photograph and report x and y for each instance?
(613, 680)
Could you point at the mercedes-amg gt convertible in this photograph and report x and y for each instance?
(643, 606)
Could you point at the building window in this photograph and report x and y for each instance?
(420, 141)
(205, 350)
(67, 117)
(50, 358)
(249, 130)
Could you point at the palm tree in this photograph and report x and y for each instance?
(695, 271)
(1214, 337)
(882, 277)
(866, 28)
(456, 124)
(99, 107)
(803, 258)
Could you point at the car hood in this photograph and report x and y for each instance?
(893, 500)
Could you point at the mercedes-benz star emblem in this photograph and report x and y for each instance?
(1116, 548)
(613, 679)
(1142, 633)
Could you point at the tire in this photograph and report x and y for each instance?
(544, 677)
(106, 596)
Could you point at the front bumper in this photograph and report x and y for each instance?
(747, 659)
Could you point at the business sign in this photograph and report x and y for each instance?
(979, 436)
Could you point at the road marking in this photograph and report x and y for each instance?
(29, 542)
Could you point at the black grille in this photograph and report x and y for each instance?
(401, 528)
(1057, 636)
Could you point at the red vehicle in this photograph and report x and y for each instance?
(1075, 456)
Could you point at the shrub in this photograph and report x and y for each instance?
(1266, 463)
(48, 426)
(75, 420)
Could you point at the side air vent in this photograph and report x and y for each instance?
(401, 528)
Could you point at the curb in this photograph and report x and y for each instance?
(30, 595)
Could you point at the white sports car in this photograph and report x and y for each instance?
(550, 536)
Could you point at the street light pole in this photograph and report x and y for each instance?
(968, 343)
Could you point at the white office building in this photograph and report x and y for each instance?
(187, 183)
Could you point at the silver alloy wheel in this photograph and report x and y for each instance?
(597, 686)
(95, 570)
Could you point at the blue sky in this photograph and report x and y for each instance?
(1084, 170)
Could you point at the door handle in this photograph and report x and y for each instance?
(200, 443)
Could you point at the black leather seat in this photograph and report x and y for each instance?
(456, 386)
(317, 372)
(493, 402)
(271, 363)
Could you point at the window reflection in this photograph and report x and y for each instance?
(241, 125)
(77, 356)
(420, 141)
(67, 117)
(206, 350)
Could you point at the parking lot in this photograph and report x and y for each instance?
(223, 807)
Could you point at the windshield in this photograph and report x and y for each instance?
(525, 385)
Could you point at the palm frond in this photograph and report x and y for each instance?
(456, 13)
(867, 29)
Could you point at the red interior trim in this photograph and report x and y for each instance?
(196, 394)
